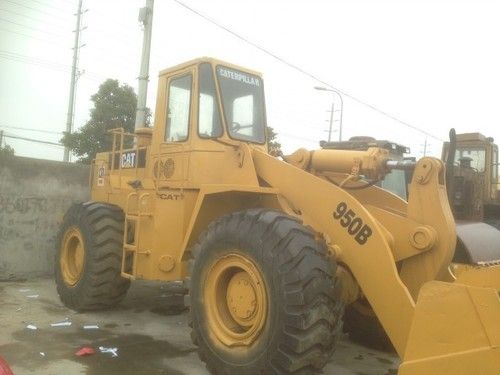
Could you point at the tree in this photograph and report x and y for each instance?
(114, 107)
(273, 145)
(6, 151)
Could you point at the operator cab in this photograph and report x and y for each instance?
(203, 108)
(229, 104)
(483, 155)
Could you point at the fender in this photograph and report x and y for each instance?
(208, 207)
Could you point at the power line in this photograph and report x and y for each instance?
(47, 64)
(33, 140)
(88, 75)
(36, 9)
(29, 17)
(303, 71)
(32, 37)
(54, 66)
(116, 58)
(37, 62)
(51, 6)
(31, 28)
(30, 129)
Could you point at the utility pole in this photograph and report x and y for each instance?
(146, 18)
(74, 72)
(331, 122)
(331, 116)
(425, 146)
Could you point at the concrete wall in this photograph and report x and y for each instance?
(34, 195)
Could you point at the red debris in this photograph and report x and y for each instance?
(86, 350)
(4, 368)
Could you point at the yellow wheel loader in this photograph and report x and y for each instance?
(272, 250)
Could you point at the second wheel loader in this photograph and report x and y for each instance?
(271, 250)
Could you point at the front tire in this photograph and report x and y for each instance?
(263, 296)
(88, 257)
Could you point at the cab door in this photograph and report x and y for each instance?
(170, 154)
(172, 164)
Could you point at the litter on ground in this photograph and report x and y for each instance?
(61, 324)
(113, 351)
(86, 350)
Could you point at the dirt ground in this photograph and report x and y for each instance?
(148, 328)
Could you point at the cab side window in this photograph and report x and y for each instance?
(209, 124)
(178, 109)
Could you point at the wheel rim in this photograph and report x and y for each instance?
(235, 300)
(72, 256)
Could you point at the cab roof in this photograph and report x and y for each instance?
(209, 60)
(473, 137)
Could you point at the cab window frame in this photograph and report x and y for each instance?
(221, 94)
(169, 83)
(217, 101)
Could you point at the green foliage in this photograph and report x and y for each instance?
(114, 107)
(6, 151)
(273, 145)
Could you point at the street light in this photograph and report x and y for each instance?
(331, 114)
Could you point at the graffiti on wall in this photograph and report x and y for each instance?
(31, 222)
(22, 205)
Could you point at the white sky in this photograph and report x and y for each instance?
(434, 64)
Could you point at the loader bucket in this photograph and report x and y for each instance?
(455, 330)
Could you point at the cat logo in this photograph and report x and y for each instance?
(128, 160)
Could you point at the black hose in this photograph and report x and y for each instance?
(359, 187)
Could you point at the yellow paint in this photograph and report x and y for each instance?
(475, 275)
(235, 296)
(455, 331)
(391, 251)
(72, 256)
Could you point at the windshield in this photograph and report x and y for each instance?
(395, 182)
(243, 103)
(477, 154)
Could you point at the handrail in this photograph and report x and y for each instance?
(121, 133)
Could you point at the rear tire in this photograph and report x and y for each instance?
(88, 257)
(301, 301)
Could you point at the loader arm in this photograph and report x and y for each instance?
(368, 248)
(366, 251)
